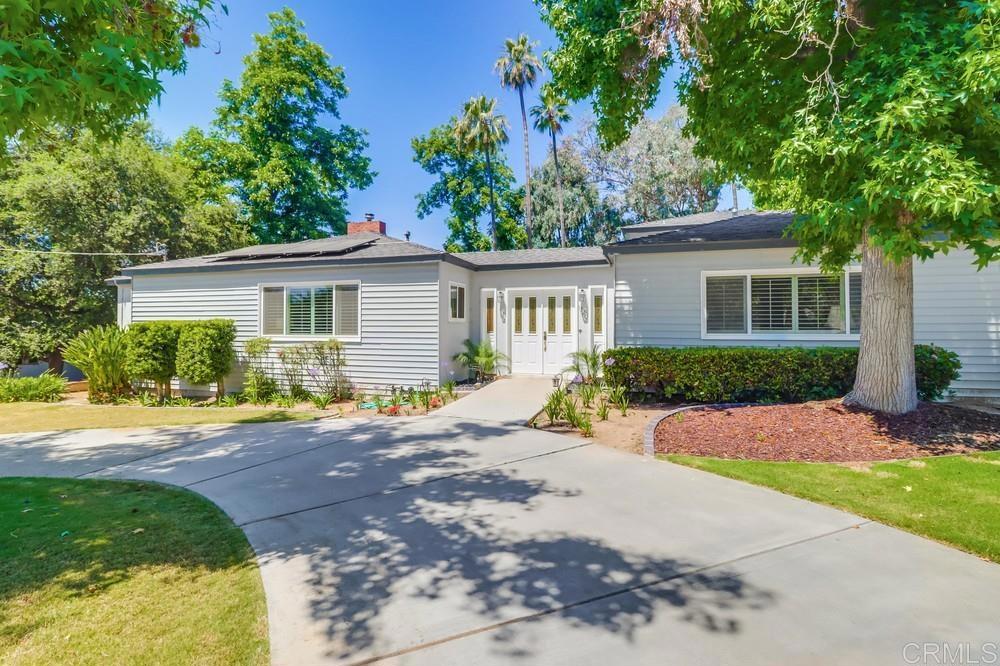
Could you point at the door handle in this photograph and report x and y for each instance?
(545, 340)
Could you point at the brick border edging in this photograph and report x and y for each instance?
(649, 434)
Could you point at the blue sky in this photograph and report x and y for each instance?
(409, 66)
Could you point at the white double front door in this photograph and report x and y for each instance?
(543, 330)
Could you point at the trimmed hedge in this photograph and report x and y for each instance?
(151, 352)
(205, 351)
(760, 374)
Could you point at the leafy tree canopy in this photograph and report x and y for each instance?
(654, 173)
(291, 172)
(90, 63)
(590, 218)
(857, 114)
(68, 191)
(463, 188)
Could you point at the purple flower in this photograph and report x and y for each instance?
(578, 379)
(608, 362)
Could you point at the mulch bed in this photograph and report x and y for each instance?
(826, 431)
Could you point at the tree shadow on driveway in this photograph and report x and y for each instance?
(419, 563)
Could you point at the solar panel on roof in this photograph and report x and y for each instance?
(310, 248)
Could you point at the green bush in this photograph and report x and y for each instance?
(258, 385)
(151, 352)
(205, 352)
(759, 374)
(47, 387)
(328, 363)
(100, 353)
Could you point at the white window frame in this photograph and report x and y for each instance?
(847, 335)
(483, 295)
(465, 302)
(286, 337)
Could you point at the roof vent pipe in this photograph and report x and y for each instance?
(407, 236)
(369, 217)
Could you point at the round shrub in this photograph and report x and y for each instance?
(205, 351)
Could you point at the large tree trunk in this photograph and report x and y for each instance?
(886, 377)
(493, 201)
(527, 169)
(559, 192)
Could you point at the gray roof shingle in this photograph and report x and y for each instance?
(539, 257)
(684, 220)
(749, 229)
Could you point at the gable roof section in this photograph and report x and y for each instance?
(754, 229)
(682, 221)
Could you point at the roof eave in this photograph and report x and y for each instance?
(306, 263)
(632, 247)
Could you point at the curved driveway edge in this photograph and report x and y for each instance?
(439, 539)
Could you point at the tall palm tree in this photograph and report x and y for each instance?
(484, 130)
(518, 68)
(551, 116)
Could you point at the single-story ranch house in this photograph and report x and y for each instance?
(403, 310)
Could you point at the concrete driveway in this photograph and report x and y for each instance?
(446, 540)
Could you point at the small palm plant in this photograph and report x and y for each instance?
(587, 364)
(100, 353)
(481, 358)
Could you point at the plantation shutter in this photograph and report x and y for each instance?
(821, 303)
(725, 305)
(855, 287)
(348, 311)
(771, 303)
(323, 311)
(273, 315)
(299, 310)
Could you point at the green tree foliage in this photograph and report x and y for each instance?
(586, 218)
(482, 130)
(463, 188)
(291, 172)
(550, 116)
(519, 68)
(70, 192)
(654, 173)
(90, 63)
(876, 121)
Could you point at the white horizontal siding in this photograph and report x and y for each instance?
(399, 314)
(957, 307)
(658, 303)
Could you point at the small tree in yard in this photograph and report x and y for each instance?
(205, 352)
(876, 122)
(151, 353)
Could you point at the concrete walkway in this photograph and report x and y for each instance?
(511, 400)
(446, 540)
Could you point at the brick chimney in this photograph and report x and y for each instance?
(370, 224)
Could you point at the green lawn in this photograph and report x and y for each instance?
(953, 499)
(118, 572)
(39, 416)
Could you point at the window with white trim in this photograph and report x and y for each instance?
(771, 304)
(456, 302)
(311, 310)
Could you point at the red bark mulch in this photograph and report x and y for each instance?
(826, 431)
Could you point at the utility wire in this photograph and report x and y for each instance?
(86, 254)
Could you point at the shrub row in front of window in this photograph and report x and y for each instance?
(758, 374)
(199, 352)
